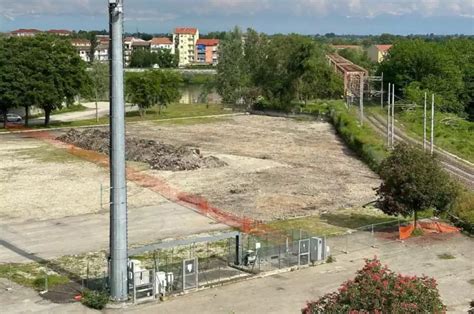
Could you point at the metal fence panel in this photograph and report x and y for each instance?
(190, 274)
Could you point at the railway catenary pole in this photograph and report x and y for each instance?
(381, 91)
(393, 115)
(424, 123)
(432, 123)
(118, 193)
(361, 99)
(388, 114)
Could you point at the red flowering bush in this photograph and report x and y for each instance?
(376, 289)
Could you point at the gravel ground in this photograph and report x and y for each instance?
(277, 168)
(39, 182)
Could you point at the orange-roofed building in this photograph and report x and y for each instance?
(207, 51)
(159, 43)
(60, 32)
(185, 39)
(377, 53)
(25, 32)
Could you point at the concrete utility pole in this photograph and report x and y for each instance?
(424, 124)
(381, 91)
(361, 100)
(118, 182)
(432, 123)
(393, 115)
(388, 114)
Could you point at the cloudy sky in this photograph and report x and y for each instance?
(271, 16)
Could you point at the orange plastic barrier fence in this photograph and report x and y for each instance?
(405, 231)
(427, 227)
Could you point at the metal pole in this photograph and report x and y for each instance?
(388, 114)
(393, 114)
(381, 92)
(361, 100)
(118, 192)
(424, 123)
(432, 123)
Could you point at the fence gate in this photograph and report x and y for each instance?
(190, 274)
(303, 252)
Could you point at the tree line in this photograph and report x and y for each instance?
(43, 71)
(273, 71)
(444, 68)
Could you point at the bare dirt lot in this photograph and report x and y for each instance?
(277, 167)
(39, 181)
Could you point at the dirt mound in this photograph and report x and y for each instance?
(158, 155)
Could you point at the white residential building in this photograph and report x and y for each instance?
(159, 43)
(83, 47)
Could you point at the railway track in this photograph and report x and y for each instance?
(458, 168)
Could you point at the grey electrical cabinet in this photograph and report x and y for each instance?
(318, 249)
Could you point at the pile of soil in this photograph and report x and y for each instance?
(158, 155)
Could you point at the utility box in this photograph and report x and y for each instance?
(318, 250)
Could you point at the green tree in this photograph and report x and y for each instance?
(169, 83)
(431, 65)
(166, 59)
(413, 181)
(57, 72)
(97, 87)
(151, 88)
(142, 91)
(231, 75)
(12, 76)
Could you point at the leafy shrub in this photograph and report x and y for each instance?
(464, 210)
(95, 299)
(376, 289)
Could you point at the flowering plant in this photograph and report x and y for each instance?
(376, 289)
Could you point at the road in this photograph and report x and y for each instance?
(89, 113)
(27, 241)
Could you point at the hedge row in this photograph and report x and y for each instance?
(362, 140)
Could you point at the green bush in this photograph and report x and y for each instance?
(362, 140)
(463, 209)
(95, 299)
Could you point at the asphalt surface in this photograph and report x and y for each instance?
(37, 240)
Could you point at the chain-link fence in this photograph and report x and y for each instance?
(373, 235)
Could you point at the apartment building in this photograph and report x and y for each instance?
(60, 32)
(83, 47)
(25, 32)
(159, 43)
(185, 39)
(207, 51)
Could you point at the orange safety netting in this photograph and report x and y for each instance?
(156, 184)
(427, 227)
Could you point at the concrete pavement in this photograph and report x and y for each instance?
(289, 292)
(27, 241)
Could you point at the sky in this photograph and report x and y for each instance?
(270, 16)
